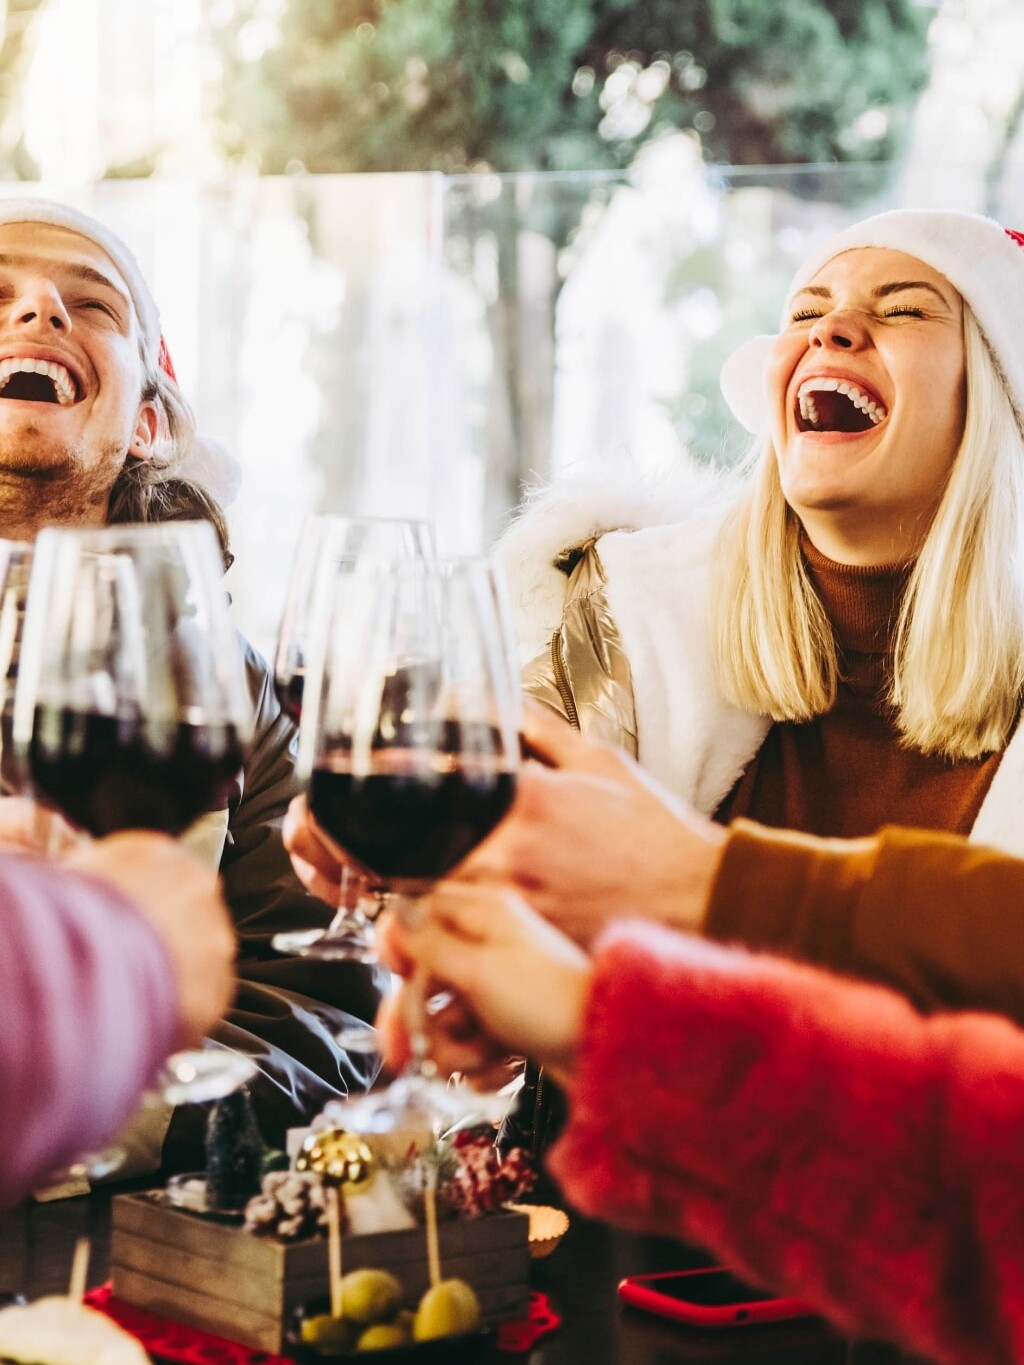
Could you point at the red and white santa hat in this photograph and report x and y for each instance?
(206, 462)
(981, 259)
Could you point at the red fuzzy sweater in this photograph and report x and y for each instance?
(819, 1136)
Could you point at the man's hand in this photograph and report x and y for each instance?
(181, 899)
(319, 862)
(591, 837)
(521, 984)
(29, 827)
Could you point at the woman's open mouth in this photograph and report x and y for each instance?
(837, 405)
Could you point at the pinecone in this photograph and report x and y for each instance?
(290, 1206)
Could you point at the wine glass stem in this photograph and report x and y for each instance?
(348, 915)
(420, 1063)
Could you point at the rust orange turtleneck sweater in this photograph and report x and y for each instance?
(849, 772)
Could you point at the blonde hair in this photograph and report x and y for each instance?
(958, 657)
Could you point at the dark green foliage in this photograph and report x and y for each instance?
(234, 1152)
(768, 83)
(518, 84)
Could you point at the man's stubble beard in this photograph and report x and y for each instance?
(64, 489)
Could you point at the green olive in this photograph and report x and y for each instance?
(383, 1336)
(446, 1310)
(369, 1296)
(328, 1334)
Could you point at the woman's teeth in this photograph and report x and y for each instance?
(808, 406)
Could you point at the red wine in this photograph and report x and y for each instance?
(107, 773)
(289, 693)
(13, 778)
(410, 826)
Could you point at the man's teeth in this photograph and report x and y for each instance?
(63, 384)
(809, 409)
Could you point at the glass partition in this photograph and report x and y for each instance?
(426, 346)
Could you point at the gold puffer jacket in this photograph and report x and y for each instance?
(584, 677)
(584, 674)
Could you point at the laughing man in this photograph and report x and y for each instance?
(94, 429)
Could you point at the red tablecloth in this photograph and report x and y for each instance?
(190, 1346)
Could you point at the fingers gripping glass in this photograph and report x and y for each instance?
(410, 746)
(329, 549)
(130, 708)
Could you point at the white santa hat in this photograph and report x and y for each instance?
(206, 461)
(978, 256)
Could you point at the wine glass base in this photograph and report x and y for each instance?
(350, 946)
(88, 1167)
(200, 1074)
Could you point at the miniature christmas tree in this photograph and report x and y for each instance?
(234, 1152)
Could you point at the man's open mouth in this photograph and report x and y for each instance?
(37, 381)
(834, 405)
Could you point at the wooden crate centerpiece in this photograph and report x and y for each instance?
(215, 1276)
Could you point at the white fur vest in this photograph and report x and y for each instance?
(655, 542)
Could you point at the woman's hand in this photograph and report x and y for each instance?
(521, 985)
(592, 838)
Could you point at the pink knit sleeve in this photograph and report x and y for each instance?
(89, 1010)
(817, 1135)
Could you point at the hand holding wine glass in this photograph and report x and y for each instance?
(329, 549)
(521, 982)
(131, 710)
(411, 748)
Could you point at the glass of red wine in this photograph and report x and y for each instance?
(15, 566)
(130, 708)
(410, 745)
(328, 550)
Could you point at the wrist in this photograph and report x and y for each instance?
(699, 854)
(563, 1045)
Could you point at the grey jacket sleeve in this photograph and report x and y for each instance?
(287, 1010)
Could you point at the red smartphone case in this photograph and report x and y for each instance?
(641, 1291)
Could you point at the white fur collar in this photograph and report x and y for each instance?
(557, 517)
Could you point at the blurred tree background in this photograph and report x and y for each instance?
(556, 85)
(16, 19)
(514, 85)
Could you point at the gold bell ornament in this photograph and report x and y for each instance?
(347, 1161)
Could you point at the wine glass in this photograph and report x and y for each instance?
(410, 745)
(329, 548)
(15, 566)
(130, 707)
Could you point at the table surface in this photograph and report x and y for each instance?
(580, 1278)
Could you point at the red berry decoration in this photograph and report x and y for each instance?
(484, 1181)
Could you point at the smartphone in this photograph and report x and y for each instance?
(707, 1297)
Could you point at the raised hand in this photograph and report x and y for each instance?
(521, 984)
(592, 838)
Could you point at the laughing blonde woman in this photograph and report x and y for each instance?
(838, 642)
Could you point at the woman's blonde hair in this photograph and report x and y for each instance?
(958, 660)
